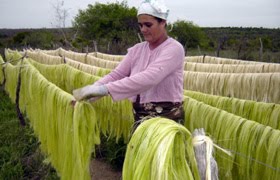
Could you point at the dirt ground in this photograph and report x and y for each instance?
(101, 170)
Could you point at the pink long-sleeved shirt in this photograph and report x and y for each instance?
(157, 75)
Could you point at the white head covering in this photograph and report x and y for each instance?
(155, 8)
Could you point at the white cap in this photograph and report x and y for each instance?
(154, 8)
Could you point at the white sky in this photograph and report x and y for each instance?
(205, 13)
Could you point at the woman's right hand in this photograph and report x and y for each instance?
(90, 91)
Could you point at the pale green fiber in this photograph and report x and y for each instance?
(43, 58)
(265, 113)
(69, 78)
(67, 133)
(11, 74)
(102, 63)
(108, 56)
(12, 55)
(157, 150)
(80, 57)
(232, 68)
(97, 71)
(86, 132)
(251, 86)
(247, 140)
(216, 60)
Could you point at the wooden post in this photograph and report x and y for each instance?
(261, 50)
(19, 114)
(4, 78)
(108, 47)
(95, 46)
(218, 48)
(239, 51)
(204, 55)
(198, 48)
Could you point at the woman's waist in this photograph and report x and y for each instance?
(151, 106)
(149, 98)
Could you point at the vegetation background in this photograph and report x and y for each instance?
(111, 28)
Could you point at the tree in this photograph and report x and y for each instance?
(112, 23)
(41, 39)
(35, 39)
(19, 38)
(188, 34)
(61, 14)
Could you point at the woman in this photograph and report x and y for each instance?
(151, 74)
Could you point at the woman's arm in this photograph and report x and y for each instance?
(166, 63)
(121, 71)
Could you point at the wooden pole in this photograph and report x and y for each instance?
(19, 114)
(261, 50)
(218, 48)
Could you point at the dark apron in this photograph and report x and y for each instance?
(170, 110)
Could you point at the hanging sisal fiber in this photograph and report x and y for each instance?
(55, 52)
(197, 59)
(102, 63)
(265, 113)
(12, 55)
(254, 147)
(251, 86)
(232, 68)
(217, 60)
(115, 119)
(109, 57)
(94, 70)
(11, 75)
(68, 79)
(157, 150)
(81, 57)
(67, 133)
(43, 58)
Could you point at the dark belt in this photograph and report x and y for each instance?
(170, 110)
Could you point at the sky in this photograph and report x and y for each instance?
(204, 13)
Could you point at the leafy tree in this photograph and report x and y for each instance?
(189, 34)
(36, 39)
(19, 38)
(114, 23)
(41, 39)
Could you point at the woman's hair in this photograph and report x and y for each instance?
(160, 20)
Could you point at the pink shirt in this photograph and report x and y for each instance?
(157, 75)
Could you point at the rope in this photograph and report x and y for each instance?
(12, 60)
(230, 152)
(201, 139)
(257, 161)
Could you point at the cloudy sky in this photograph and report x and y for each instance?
(205, 13)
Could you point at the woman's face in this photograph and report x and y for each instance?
(151, 29)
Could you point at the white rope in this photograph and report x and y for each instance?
(199, 140)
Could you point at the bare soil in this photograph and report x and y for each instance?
(100, 170)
